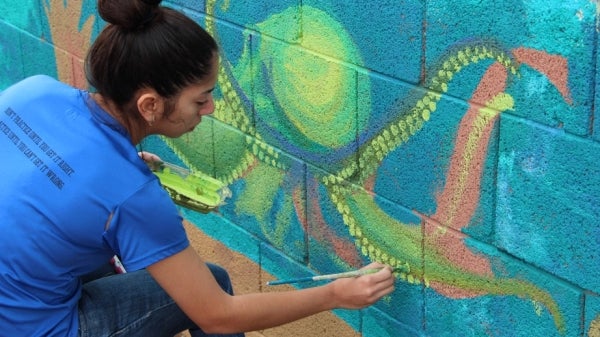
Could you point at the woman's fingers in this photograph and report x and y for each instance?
(149, 156)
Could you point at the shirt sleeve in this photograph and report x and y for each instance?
(146, 228)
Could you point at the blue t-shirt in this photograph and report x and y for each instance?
(73, 192)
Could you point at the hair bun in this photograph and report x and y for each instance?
(129, 14)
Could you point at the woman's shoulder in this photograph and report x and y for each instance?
(37, 84)
(39, 79)
(40, 89)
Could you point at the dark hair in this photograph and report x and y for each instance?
(146, 45)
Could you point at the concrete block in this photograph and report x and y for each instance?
(160, 146)
(39, 57)
(594, 113)
(280, 266)
(406, 305)
(11, 61)
(331, 247)
(268, 190)
(547, 40)
(283, 17)
(547, 208)
(515, 299)
(305, 103)
(391, 47)
(69, 26)
(194, 149)
(376, 323)
(440, 165)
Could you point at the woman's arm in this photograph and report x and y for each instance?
(185, 277)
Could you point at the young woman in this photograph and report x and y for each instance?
(74, 192)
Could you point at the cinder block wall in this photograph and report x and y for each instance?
(454, 139)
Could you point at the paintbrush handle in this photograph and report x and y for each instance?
(353, 273)
(296, 280)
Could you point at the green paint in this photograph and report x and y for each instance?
(486, 115)
(594, 330)
(394, 243)
(263, 182)
(194, 190)
(377, 235)
(311, 88)
(385, 239)
(399, 245)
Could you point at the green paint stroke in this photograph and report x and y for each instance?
(232, 111)
(257, 194)
(376, 234)
(313, 89)
(263, 182)
(360, 213)
(594, 330)
(389, 241)
(486, 116)
(194, 190)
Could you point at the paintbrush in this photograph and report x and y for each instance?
(353, 273)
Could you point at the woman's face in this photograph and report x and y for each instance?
(194, 101)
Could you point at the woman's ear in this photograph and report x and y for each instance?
(150, 105)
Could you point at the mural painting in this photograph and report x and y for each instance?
(315, 157)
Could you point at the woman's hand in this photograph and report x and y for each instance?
(153, 161)
(185, 277)
(149, 157)
(362, 291)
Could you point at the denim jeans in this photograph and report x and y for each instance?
(133, 304)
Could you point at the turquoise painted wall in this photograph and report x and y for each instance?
(456, 139)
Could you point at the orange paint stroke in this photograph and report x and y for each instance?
(460, 197)
(70, 44)
(555, 67)
(369, 184)
(451, 244)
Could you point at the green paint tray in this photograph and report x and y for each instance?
(191, 189)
